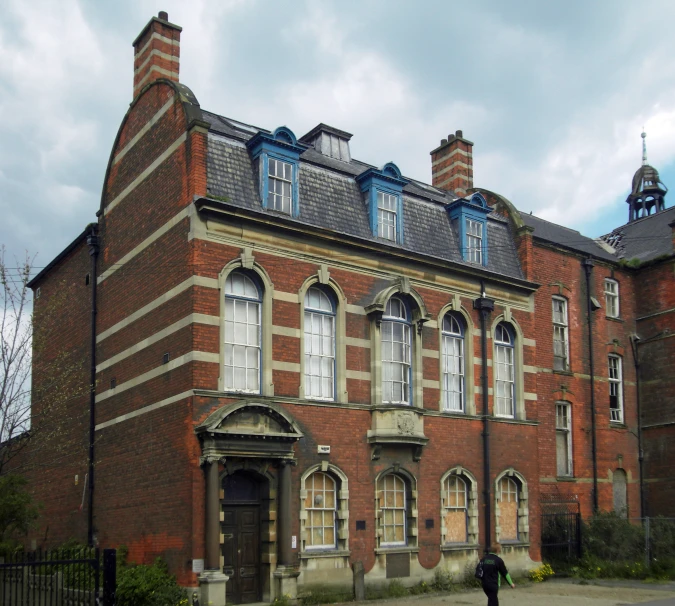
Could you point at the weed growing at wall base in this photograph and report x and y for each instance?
(541, 573)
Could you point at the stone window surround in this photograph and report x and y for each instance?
(469, 377)
(411, 510)
(246, 262)
(341, 511)
(523, 506)
(323, 278)
(375, 310)
(519, 375)
(471, 505)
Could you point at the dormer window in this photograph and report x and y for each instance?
(387, 210)
(383, 195)
(469, 219)
(474, 241)
(278, 159)
(280, 185)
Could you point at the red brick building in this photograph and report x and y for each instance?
(303, 361)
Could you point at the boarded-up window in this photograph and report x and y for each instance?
(320, 506)
(455, 509)
(393, 506)
(508, 509)
(619, 489)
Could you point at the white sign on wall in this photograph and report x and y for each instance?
(294, 542)
(322, 449)
(198, 566)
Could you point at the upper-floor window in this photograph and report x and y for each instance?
(319, 345)
(611, 298)
(505, 378)
(396, 353)
(474, 241)
(563, 439)
(387, 213)
(392, 500)
(560, 334)
(615, 389)
(242, 346)
(280, 185)
(452, 351)
(277, 157)
(320, 505)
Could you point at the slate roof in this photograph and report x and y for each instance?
(331, 199)
(644, 239)
(563, 236)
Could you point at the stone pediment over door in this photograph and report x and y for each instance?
(248, 429)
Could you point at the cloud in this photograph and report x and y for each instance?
(553, 95)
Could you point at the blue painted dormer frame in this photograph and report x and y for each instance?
(475, 209)
(387, 180)
(282, 145)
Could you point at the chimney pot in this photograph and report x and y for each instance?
(459, 134)
(163, 15)
(444, 141)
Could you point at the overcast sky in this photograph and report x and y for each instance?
(553, 94)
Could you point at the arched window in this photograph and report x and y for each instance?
(505, 381)
(453, 386)
(456, 501)
(393, 507)
(321, 507)
(319, 345)
(508, 509)
(396, 353)
(242, 347)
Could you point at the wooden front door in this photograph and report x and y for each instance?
(241, 541)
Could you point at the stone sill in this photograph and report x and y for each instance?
(512, 421)
(611, 319)
(566, 373)
(565, 479)
(337, 553)
(515, 544)
(617, 425)
(460, 547)
(386, 550)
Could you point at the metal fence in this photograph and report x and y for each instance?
(59, 577)
(561, 538)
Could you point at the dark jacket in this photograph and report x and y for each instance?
(493, 569)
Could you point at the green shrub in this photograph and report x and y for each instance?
(141, 585)
(395, 589)
(608, 536)
(469, 581)
(443, 580)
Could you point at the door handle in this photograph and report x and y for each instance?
(242, 572)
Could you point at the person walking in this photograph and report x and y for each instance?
(493, 571)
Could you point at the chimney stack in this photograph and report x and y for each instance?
(452, 164)
(156, 52)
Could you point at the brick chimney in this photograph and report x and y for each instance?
(452, 164)
(156, 52)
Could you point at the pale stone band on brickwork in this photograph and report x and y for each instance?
(146, 173)
(156, 53)
(158, 336)
(156, 36)
(452, 166)
(285, 366)
(454, 152)
(193, 356)
(171, 75)
(139, 135)
(360, 375)
(183, 214)
(146, 409)
(170, 294)
(442, 183)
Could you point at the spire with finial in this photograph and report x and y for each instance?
(644, 147)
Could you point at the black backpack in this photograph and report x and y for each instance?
(479, 570)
